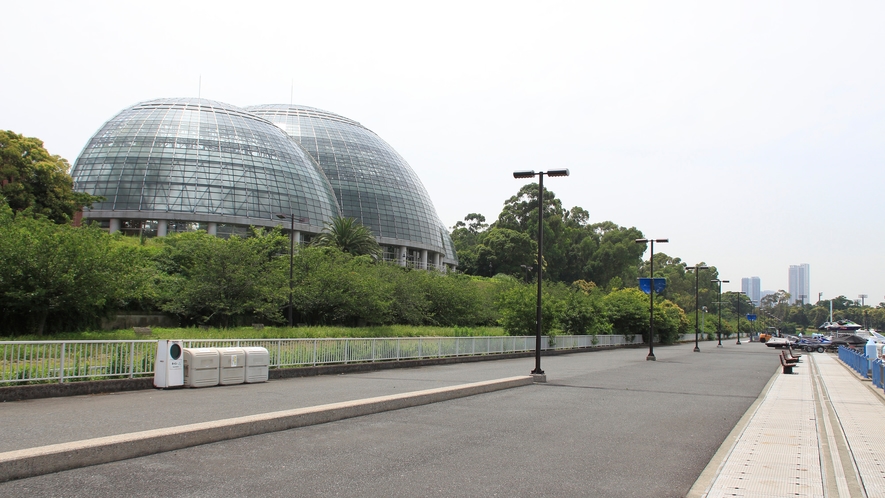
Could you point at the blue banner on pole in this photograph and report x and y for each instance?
(645, 285)
(751, 318)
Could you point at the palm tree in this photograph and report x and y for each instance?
(350, 236)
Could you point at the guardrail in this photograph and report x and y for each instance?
(879, 373)
(857, 361)
(23, 362)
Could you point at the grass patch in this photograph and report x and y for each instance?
(269, 333)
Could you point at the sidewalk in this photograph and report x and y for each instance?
(816, 433)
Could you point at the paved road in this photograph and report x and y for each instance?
(607, 423)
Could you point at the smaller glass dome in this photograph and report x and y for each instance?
(372, 182)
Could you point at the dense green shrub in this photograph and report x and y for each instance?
(584, 311)
(56, 277)
(518, 305)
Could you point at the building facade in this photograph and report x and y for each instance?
(799, 286)
(752, 287)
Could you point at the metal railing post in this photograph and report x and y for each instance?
(61, 374)
(132, 359)
(279, 353)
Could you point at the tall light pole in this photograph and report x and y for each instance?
(863, 298)
(697, 275)
(719, 330)
(540, 175)
(291, 254)
(739, 293)
(651, 294)
(528, 269)
(704, 320)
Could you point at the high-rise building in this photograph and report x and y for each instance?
(752, 287)
(799, 288)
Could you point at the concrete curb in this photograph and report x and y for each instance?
(58, 457)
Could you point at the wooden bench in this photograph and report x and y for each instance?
(142, 331)
(788, 367)
(789, 359)
(791, 354)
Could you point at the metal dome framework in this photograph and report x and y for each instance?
(186, 164)
(371, 181)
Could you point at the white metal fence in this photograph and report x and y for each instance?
(23, 362)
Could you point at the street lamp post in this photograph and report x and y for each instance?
(540, 175)
(291, 254)
(704, 320)
(651, 294)
(697, 275)
(719, 330)
(528, 269)
(739, 317)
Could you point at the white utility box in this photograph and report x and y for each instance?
(233, 366)
(201, 367)
(169, 365)
(257, 363)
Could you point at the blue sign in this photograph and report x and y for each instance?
(751, 318)
(645, 285)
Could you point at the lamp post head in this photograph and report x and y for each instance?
(523, 174)
(557, 172)
(644, 241)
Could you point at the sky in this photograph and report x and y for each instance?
(751, 134)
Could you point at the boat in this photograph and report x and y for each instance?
(841, 326)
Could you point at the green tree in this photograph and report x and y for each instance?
(59, 277)
(627, 310)
(518, 306)
(520, 214)
(460, 300)
(670, 321)
(615, 253)
(466, 237)
(33, 180)
(334, 287)
(776, 305)
(584, 310)
(349, 236)
(215, 281)
(505, 251)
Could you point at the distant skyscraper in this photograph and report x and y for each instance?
(752, 286)
(799, 283)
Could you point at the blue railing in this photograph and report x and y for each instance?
(878, 374)
(857, 361)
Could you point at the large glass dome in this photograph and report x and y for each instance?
(372, 182)
(180, 164)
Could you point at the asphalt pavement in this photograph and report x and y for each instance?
(606, 423)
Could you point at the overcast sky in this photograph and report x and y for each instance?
(751, 134)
